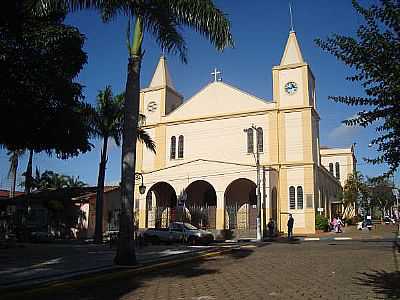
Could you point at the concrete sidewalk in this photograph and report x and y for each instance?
(35, 264)
(386, 232)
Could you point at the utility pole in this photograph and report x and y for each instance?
(257, 159)
(259, 233)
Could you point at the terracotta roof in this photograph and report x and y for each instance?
(92, 195)
(4, 194)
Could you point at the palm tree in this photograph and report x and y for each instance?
(74, 182)
(163, 19)
(52, 180)
(12, 171)
(107, 123)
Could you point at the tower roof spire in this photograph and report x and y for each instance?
(161, 76)
(292, 54)
(291, 17)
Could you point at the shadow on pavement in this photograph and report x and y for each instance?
(240, 253)
(382, 282)
(121, 283)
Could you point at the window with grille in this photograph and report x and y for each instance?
(250, 141)
(260, 139)
(331, 168)
(337, 167)
(180, 146)
(173, 148)
(292, 197)
(299, 197)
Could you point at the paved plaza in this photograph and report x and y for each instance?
(304, 270)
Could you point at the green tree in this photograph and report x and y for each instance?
(381, 195)
(52, 180)
(353, 189)
(375, 56)
(40, 58)
(107, 124)
(163, 19)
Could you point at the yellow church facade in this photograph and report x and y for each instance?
(207, 149)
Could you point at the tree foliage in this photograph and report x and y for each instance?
(41, 106)
(52, 180)
(375, 56)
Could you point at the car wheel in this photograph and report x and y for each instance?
(192, 241)
(155, 240)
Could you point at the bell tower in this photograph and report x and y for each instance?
(161, 97)
(298, 134)
(294, 83)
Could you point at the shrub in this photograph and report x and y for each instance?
(321, 222)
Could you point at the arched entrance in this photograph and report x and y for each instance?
(160, 205)
(241, 208)
(201, 204)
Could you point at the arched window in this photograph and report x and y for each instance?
(260, 139)
(250, 141)
(337, 167)
(299, 197)
(180, 146)
(331, 168)
(173, 148)
(292, 197)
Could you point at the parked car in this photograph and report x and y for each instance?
(42, 236)
(178, 232)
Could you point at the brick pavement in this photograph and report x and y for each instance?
(39, 263)
(323, 270)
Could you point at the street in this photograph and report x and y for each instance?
(305, 270)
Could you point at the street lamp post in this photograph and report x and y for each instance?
(142, 187)
(257, 159)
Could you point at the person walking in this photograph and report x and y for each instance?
(271, 227)
(290, 224)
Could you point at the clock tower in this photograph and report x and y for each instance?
(298, 130)
(161, 97)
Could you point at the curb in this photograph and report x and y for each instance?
(112, 272)
(344, 238)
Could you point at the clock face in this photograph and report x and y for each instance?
(291, 87)
(152, 106)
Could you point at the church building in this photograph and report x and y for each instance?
(208, 146)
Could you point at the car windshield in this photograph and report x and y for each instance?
(190, 227)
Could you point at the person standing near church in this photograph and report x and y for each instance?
(271, 227)
(290, 224)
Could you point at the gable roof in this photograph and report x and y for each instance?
(219, 98)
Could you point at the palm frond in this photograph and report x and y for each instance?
(205, 18)
(145, 138)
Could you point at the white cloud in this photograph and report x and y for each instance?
(344, 134)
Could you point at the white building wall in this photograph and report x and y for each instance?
(148, 156)
(343, 166)
(218, 139)
(294, 136)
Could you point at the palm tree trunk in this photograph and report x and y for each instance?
(126, 251)
(98, 232)
(13, 175)
(28, 173)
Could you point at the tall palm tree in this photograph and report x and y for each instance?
(107, 124)
(163, 19)
(12, 171)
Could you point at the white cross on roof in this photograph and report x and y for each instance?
(215, 74)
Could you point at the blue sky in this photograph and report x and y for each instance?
(260, 31)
